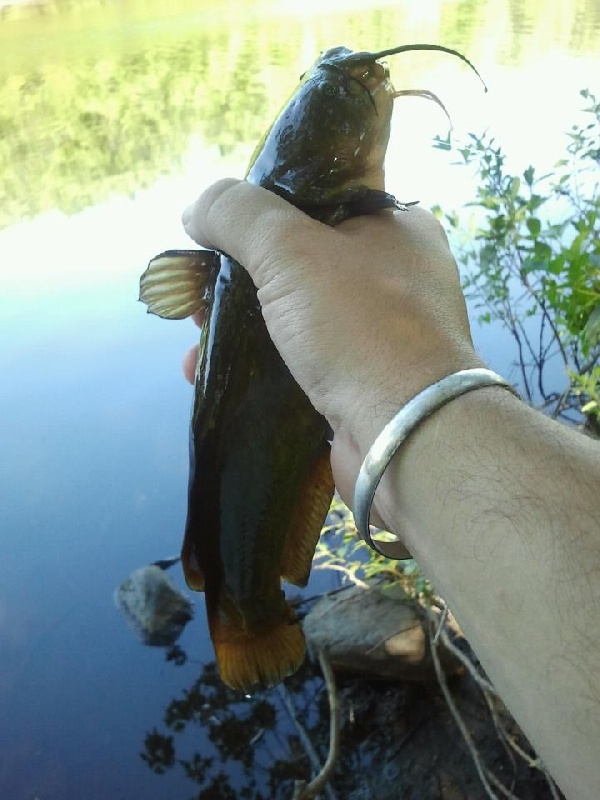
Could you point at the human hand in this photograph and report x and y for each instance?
(365, 314)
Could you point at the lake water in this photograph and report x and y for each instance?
(114, 115)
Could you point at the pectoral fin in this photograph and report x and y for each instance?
(307, 520)
(175, 282)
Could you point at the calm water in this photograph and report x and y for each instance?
(113, 117)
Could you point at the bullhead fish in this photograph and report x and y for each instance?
(260, 479)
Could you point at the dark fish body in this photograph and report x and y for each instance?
(256, 443)
(260, 478)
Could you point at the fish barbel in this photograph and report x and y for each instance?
(260, 477)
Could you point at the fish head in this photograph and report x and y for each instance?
(332, 134)
(358, 94)
(330, 139)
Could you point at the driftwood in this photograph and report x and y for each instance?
(378, 633)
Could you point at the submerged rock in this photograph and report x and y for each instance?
(155, 609)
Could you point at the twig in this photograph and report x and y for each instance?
(511, 325)
(442, 634)
(500, 786)
(479, 766)
(485, 775)
(301, 790)
(483, 684)
(550, 782)
(303, 736)
(532, 763)
(440, 625)
(346, 571)
(502, 733)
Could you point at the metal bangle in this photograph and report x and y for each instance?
(397, 431)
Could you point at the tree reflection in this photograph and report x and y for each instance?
(175, 654)
(255, 752)
(74, 135)
(397, 740)
(80, 128)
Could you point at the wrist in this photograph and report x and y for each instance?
(397, 432)
(442, 464)
(380, 404)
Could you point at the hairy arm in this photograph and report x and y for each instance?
(500, 505)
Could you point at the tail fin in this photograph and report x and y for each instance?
(249, 659)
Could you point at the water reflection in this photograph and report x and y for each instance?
(396, 740)
(112, 116)
(253, 750)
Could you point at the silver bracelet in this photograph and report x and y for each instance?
(396, 432)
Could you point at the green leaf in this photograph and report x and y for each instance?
(591, 331)
(513, 187)
(534, 226)
(442, 144)
(535, 201)
(542, 251)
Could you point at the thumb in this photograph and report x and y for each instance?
(250, 224)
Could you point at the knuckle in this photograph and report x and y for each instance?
(205, 219)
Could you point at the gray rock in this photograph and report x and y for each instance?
(155, 609)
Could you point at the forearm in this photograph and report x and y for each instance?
(503, 517)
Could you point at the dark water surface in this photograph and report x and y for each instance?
(113, 116)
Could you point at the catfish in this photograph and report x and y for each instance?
(260, 482)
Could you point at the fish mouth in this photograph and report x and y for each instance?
(372, 74)
(367, 57)
(375, 82)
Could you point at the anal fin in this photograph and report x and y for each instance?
(307, 520)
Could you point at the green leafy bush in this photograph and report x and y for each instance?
(340, 548)
(535, 252)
